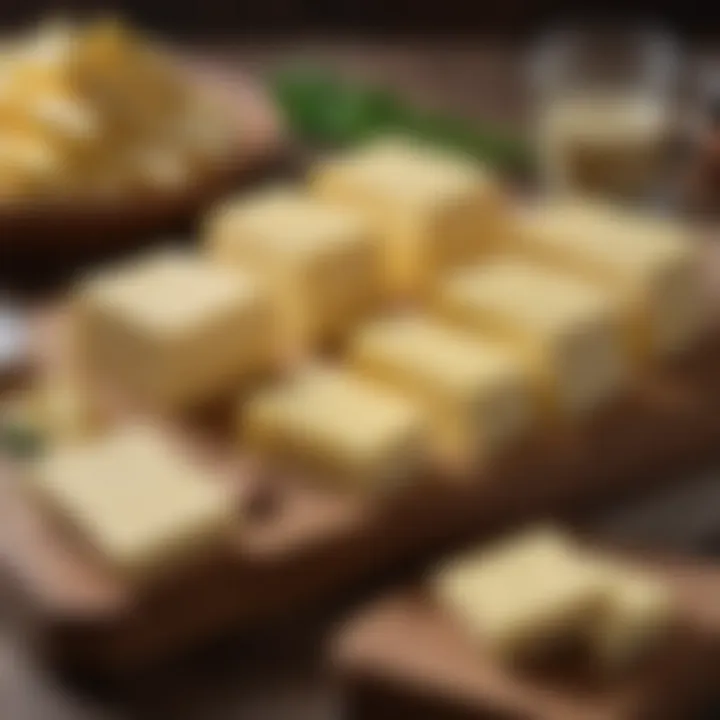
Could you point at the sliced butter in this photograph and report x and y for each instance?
(344, 430)
(650, 264)
(476, 393)
(142, 507)
(567, 331)
(432, 211)
(319, 261)
(174, 330)
(523, 596)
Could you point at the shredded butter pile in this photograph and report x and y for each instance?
(97, 110)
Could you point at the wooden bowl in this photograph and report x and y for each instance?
(57, 228)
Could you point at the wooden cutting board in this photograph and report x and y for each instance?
(403, 657)
(297, 543)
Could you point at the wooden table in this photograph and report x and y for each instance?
(280, 678)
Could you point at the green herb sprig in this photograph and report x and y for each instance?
(326, 110)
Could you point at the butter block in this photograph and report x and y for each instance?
(433, 211)
(638, 612)
(475, 392)
(567, 331)
(650, 264)
(174, 329)
(345, 430)
(141, 506)
(522, 597)
(321, 262)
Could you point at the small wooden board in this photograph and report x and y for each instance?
(299, 544)
(405, 658)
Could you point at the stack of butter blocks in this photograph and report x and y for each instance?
(539, 592)
(432, 213)
(648, 263)
(475, 393)
(321, 264)
(514, 322)
(566, 332)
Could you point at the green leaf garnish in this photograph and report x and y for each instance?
(324, 109)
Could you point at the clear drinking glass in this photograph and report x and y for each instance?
(605, 106)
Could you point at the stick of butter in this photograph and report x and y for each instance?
(523, 596)
(321, 262)
(342, 427)
(476, 393)
(175, 330)
(140, 505)
(650, 264)
(433, 211)
(566, 330)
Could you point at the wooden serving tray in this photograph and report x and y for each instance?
(296, 544)
(405, 658)
(72, 228)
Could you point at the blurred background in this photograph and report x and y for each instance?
(231, 20)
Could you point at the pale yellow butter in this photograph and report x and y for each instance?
(174, 329)
(567, 331)
(476, 393)
(536, 591)
(522, 596)
(141, 506)
(432, 211)
(321, 262)
(345, 429)
(650, 264)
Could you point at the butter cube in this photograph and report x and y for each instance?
(566, 330)
(345, 429)
(433, 211)
(522, 597)
(638, 612)
(175, 330)
(320, 261)
(141, 506)
(651, 265)
(475, 392)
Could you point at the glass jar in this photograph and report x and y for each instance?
(605, 106)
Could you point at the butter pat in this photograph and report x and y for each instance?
(432, 211)
(175, 330)
(566, 330)
(650, 264)
(340, 427)
(142, 507)
(475, 392)
(523, 596)
(319, 261)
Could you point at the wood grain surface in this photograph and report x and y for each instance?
(279, 677)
